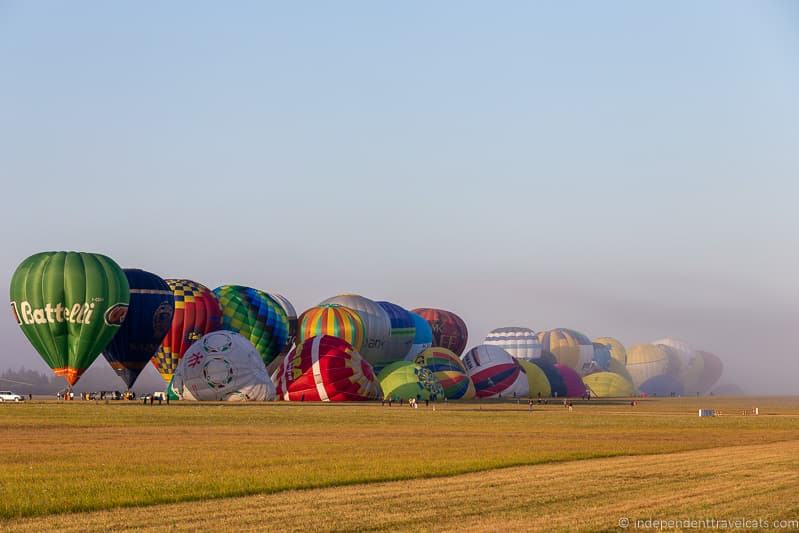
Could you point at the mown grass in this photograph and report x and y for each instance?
(83, 456)
(746, 482)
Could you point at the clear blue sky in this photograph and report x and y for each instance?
(623, 168)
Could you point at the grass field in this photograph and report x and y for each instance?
(470, 466)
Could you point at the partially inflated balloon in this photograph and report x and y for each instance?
(449, 330)
(556, 383)
(69, 306)
(536, 379)
(570, 347)
(645, 361)
(574, 384)
(404, 380)
(521, 343)
(257, 317)
(197, 312)
(291, 313)
(495, 373)
(403, 330)
(608, 385)
(376, 323)
(662, 385)
(448, 369)
(712, 368)
(326, 369)
(222, 366)
(617, 350)
(333, 321)
(422, 338)
(150, 312)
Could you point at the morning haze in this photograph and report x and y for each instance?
(622, 169)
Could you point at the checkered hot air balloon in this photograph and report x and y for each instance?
(327, 369)
(197, 312)
(256, 316)
(331, 320)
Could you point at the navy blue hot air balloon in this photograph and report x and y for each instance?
(556, 382)
(150, 311)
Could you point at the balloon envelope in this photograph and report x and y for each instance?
(449, 330)
(495, 373)
(608, 385)
(326, 369)
(569, 347)
(376, 323)
(223, 366)
(69, 306)
(422, 337)
(448, 369)
(332, 320)
(537, 381)
(197, 312)
(556, 383)
(645, 361)
(291, 313)
(148, 319)
(403, 330)
(403, 380)
(257, 317)
(574, 384)
(662, 385)
(521, 343)
(617, 350)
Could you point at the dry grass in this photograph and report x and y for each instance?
(748, 482)
(62, 458)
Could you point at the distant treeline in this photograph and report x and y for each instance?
(26, 381)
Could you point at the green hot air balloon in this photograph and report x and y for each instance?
(69, 305)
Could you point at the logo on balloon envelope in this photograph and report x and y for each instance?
(27, 315)
(115, 315)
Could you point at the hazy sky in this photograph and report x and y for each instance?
(622, 168)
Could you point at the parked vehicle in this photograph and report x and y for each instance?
(8, 396)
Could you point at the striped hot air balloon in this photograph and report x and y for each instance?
(521, 343)
(326, 369)
(332, 320)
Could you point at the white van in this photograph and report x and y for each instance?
(8, 396)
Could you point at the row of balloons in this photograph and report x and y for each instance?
(73, 305)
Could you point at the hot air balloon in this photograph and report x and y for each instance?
(326, 369)
(257, 317)
(376, 323)
(608, 385)
(197, 312)
(617, 350)
(536, 379)
(495, 373)
(403, 380)
(422, 338)
(570, 347)
(521, 343)
(147, 322)
(556, 383)
(69, 306)
(291, 313)
(602, 358)
(662, 385)
(712, 368)
(448, 369)
(645, 361)
(332, 320)
(449, 330)
(574, 384)
(223, 366)
(403, 331)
